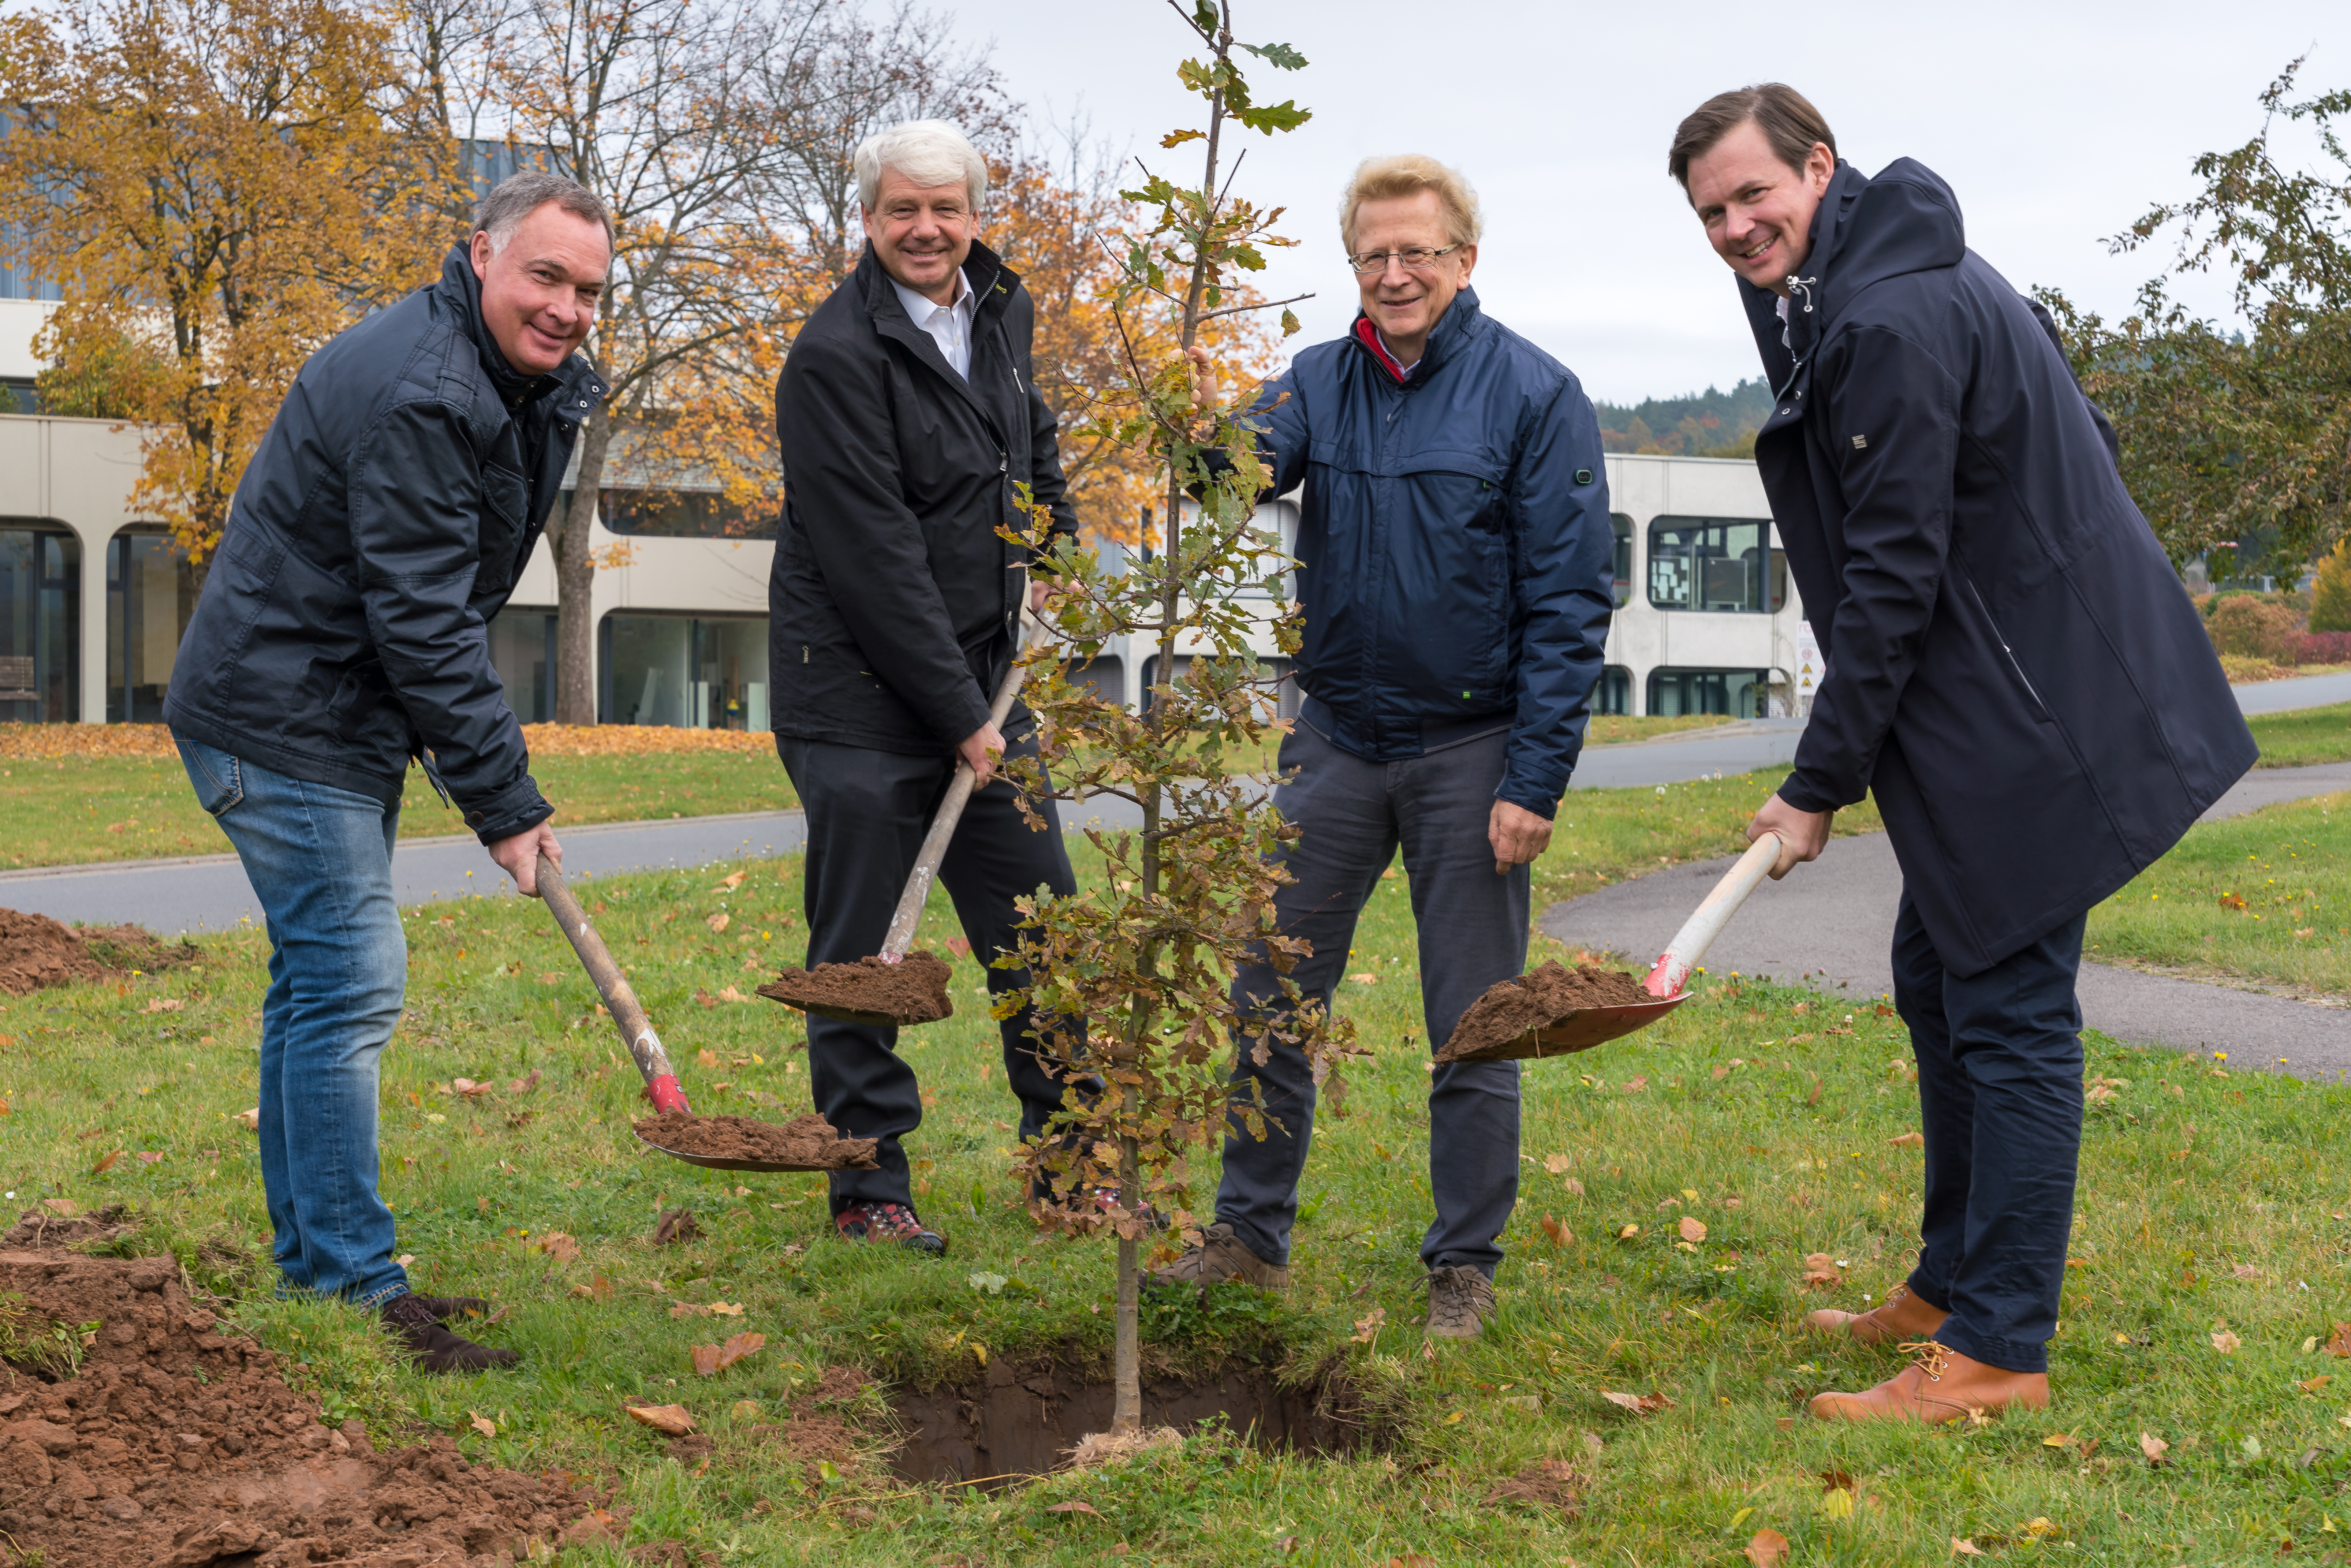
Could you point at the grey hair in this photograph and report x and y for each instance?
(501, 212)
(927, 152)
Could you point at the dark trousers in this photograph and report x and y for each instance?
(2000, 1092)
(1472, 927)
(867, 812)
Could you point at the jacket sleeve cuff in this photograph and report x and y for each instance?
(1805, 799)
(513, 810)
(1529, 797)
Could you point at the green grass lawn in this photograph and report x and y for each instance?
(71, 811)
(2310, 735)
(2264, 897)
(2212, 1203)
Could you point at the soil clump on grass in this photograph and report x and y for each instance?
(36, 952)
(809, 1141)
(140, 1430)
(912, 990)
(1510, 1007)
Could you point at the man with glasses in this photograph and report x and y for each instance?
(1455, 561)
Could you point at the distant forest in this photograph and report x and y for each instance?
(1704, 424)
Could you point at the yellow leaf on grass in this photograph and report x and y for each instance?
(2225, 1342)
(2153, 1446)
(1837, 1503)
(2039, 1526)
(1692, 1229)
(1456, 1415)
(2058, 1440)
(1627, 1233)
(482, 1423)
(668, 1419)
(65, 1207)
(1769, 1549)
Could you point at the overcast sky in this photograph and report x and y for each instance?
(2056, 123)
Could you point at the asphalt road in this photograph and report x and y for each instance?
(2300, 691)
(1829, 924)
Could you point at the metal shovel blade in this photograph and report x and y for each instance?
(1578, 1030)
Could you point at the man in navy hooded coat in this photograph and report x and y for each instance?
(2014, 672)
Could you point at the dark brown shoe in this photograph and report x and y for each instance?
(1220, 1259)
(447, 1307)
(1940, 1386)
(1903, 1315)
(433, 1347)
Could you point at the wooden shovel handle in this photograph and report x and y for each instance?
(1706, 923)
(661, 1086)
(943, 826)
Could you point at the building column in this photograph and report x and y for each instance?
(93, 622)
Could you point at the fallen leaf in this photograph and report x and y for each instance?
(2246, 1271)
(669, 1420)
(1559, 1233)
(106, 1165)
(482, 1423)
(1769, 1549)
(1909, 1140)
(729, 994)
(729, 884)
(2341, 1343)
(2153, 1446)
(2057, 1440)
(560, 1247)
(1821, 1270)
(523, 1085)
(165, 1005)
(1836, 1504)
(1637, 1084)
(1639, 1404)
(1558, 1164)
(959, 945)
(598, 1288)
(726, 1309)
(1074, 1506)
(249, 1120)
(720, 921)
(2313, 1385)
(1410, 1560)
(1627, 1233)
(1837, 1480)
(64, 1208)
(2226, 1342)
(1368, 1326)
(1692, 1228)
(675, 1226)
(2039, 1526)
(1962, 1548)
(1364, 979)
(2232, 901)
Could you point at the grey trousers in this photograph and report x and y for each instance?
(1473, 932)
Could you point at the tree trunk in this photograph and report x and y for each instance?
(575, 579)
(1127, 1400)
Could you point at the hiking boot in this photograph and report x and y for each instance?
(1903, 1315)
(1219, 1260)
(1940, 1387)
(434, 1348)
(447, 1307)
(888, 1222)
(1460, 1300)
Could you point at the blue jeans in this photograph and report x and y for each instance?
(320, 860)
(1999, 1097)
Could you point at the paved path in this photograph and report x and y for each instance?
(1829, 924)
(2300, 691)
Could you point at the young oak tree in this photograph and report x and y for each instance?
(1133, 977)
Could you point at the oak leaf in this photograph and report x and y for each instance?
(2225, 1341)
(482, 1423)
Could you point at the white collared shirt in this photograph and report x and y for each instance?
(950, 325)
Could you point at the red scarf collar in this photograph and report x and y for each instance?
(1369, 337)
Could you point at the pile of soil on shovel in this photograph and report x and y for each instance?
(35, 952)
(809, 1141)
(912, 990)
(1510, 1007)
(174, 1442)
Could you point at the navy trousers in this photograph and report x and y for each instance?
(1472, 928)
(2000, 1092)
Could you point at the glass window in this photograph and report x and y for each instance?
(1614, 693)
(142, 625)
(686, 671)
(1624, 586)
(1719, 564)
(40, 625)
(1739, 694)
(681, 515)
(522, 648)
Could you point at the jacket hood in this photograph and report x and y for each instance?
(465, 290)
(1453, 328)
(1866, 230)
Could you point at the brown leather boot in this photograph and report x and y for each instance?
(1903, 1314)
(1221, 1259)
(1940, 1386)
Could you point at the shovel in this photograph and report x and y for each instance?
(661, 1086)
(790, 990)
(1581, 1028)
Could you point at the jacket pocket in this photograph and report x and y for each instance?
(2040, 710)
(357, 696)
(218, 778)
(505, 492)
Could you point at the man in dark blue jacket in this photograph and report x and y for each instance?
(1455, 563)
(382, 523)
(2014, 671)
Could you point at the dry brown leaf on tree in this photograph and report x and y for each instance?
(668, 1419)
(1766, 1548)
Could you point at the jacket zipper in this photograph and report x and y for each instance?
(2010, 654)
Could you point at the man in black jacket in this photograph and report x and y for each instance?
(382, 523)
(2014, 671)
(908, 418)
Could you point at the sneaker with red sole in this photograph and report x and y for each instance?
(888, 1222)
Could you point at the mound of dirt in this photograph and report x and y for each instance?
(809, 1142)
(912, 990)
(35, 952)
(1510, 1007)
(58, 1222)
(174, 1443)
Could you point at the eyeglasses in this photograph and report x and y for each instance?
(1416, 259)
